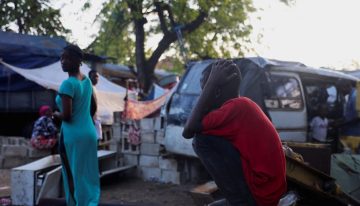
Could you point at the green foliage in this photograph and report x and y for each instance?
(288, 2)
(178, 67)
(115, 37)
(223, 34)
(31, 17)
(174, 65)
(226, 24)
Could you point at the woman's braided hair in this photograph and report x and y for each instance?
(75, 50)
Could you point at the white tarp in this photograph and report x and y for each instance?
(110, 96)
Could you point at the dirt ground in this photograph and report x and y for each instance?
(134, 190)
(4, 182)
(125, 189)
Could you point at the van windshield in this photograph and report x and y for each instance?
(191, 81)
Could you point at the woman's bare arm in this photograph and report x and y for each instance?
(66, 113)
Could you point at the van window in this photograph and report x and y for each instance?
(285, 93)
(322, 93)
(332, 92)
(191, 83)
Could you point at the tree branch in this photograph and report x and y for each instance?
(215, 34)
(161, 48)
(171, 37)
(149, 12)
(2, 4)
(171, 16)
(18, 19)
(190, 27)
(132, 70)
(160, 11)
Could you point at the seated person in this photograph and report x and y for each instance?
(44, 135)
(319, 125)
(235, 140)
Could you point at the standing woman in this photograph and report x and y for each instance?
(78, 141)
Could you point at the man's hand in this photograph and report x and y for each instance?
(187, 133)
(191, 130)
(222, 72)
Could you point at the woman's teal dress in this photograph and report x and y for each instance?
(78, 146)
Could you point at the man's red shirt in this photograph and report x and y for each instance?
(244, 124)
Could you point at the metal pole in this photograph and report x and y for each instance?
(181, 42)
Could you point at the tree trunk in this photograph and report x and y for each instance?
(146, 67)
(18, 18)
(141, 63)
(144, 74)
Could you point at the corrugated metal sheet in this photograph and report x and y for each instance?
(345, 168)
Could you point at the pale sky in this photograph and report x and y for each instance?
(314, 32)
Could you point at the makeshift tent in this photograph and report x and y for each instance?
(27, 52)
(36, 58)
(110, 96)
(137, 110)
(118, 73)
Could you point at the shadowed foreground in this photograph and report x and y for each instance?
(61, 202)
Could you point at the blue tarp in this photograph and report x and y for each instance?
(26, 51)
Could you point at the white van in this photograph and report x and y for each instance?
(288, 92)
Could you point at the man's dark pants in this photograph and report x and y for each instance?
(222, 160)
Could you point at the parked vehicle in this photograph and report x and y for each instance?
(288, 92)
